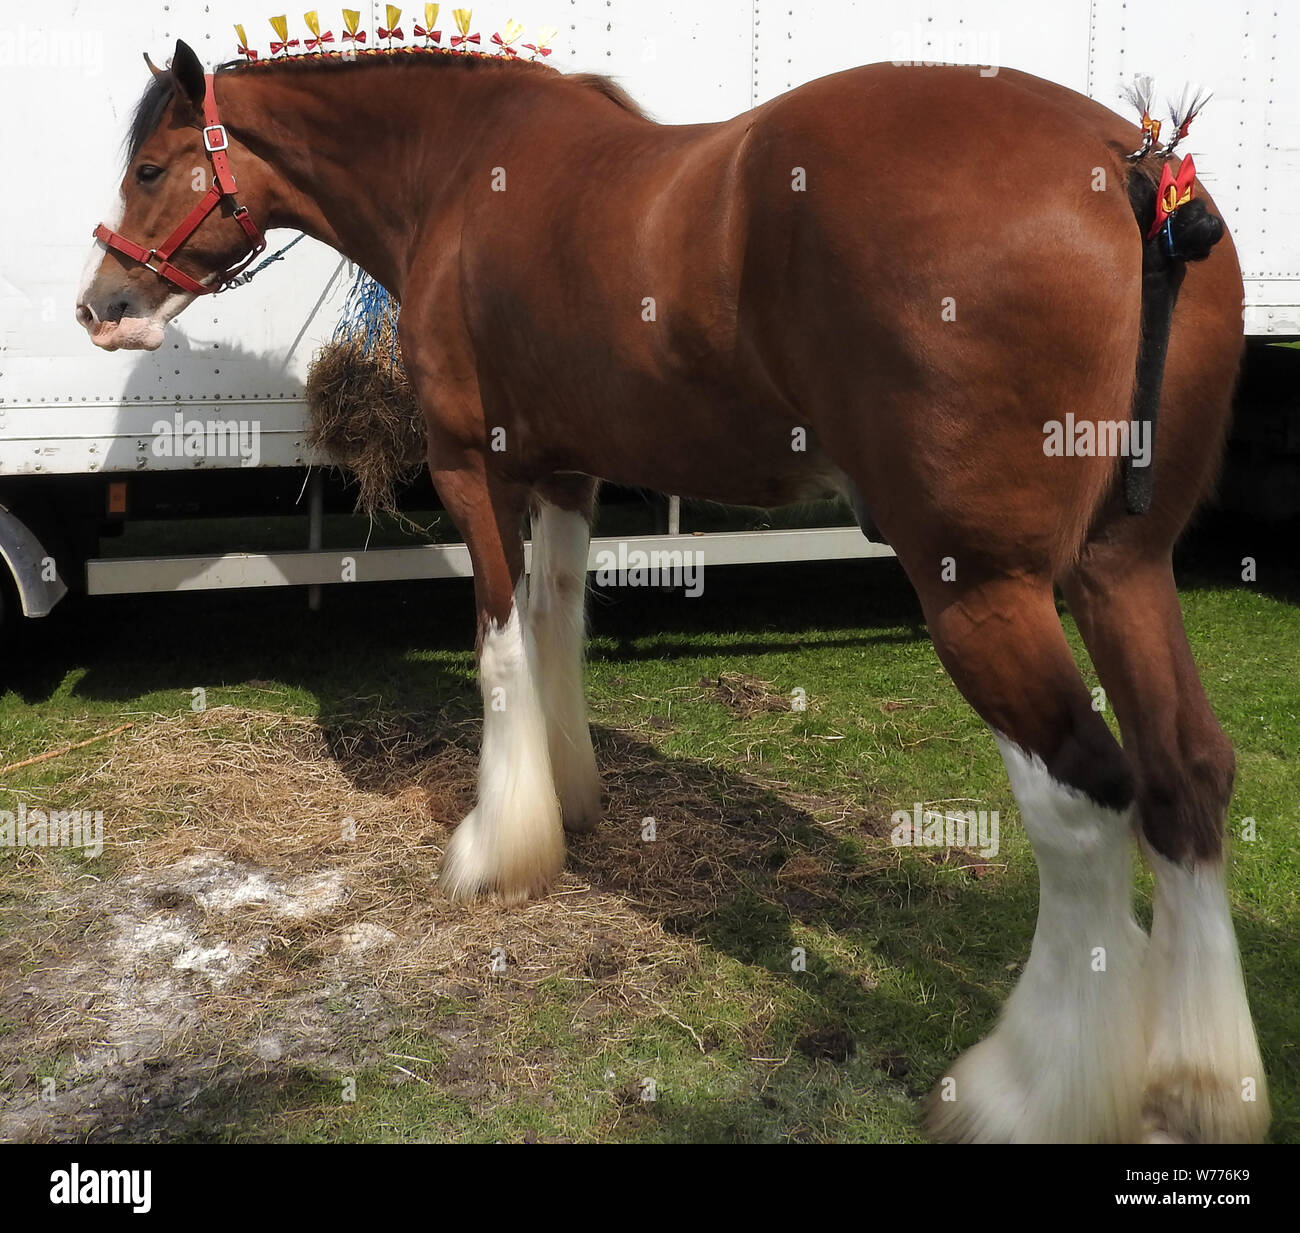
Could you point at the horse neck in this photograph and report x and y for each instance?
(362, 158)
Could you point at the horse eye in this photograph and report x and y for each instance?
(147, 172)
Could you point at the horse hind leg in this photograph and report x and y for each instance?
(511, 844)
(1204, 1077)
(562, 513)
(1065, 1061)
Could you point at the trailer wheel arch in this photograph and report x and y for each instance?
(26, 563)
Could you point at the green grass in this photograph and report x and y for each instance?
(910, 961)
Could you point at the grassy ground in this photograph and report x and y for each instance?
(659, 968)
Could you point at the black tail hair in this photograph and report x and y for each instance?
(1191, 233)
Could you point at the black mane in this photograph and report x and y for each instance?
(148, 114)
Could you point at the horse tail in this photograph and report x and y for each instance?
(1189, 234)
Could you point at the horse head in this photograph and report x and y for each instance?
(181, 230)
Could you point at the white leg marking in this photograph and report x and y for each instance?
(512, 842)
(1205, 1079)
(1065, 1063)
(557, 596)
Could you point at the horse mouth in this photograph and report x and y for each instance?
(128, 334)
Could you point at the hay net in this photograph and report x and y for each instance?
(363, 414)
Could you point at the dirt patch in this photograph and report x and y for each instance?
(271, 901)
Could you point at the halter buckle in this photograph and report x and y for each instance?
(209, 144)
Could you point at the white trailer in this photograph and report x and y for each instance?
(79, 428)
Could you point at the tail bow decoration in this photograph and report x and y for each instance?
(1175, 189)
(1139, 93)
(1186, 110)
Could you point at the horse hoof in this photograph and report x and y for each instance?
(511, 872)
(582, 813)
(1199, 1105)
(986, 1097)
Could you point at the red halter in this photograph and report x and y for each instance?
(158, 259)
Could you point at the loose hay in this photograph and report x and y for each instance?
(363, 413)
(268, 872)
(365, 418)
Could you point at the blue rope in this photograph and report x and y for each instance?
(1167, 232)
(367, 309)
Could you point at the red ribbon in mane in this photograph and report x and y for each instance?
(327, 37)
(282, 46)
(541, 51)
(457, 39)
(510, 51)
(389, 34)
(247, 51)
(359, 37)
(422, 33)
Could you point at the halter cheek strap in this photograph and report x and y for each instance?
(215, 143)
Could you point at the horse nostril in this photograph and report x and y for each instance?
(116, 310)
(84, 316)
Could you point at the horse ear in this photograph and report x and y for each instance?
(153, 68)
(188, 78)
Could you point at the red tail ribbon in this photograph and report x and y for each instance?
(1174, 191)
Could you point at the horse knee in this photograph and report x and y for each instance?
(1183, 802)
(1090, 760)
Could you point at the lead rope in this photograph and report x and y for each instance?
(242, 279)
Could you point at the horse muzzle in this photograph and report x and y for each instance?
(115, 325)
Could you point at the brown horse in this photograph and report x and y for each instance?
(911, 269)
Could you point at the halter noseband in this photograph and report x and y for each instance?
(158, 259)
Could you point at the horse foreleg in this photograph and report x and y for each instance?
(562, 514)
(1204, 1079)
(512, 843)
(1065, 1061)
